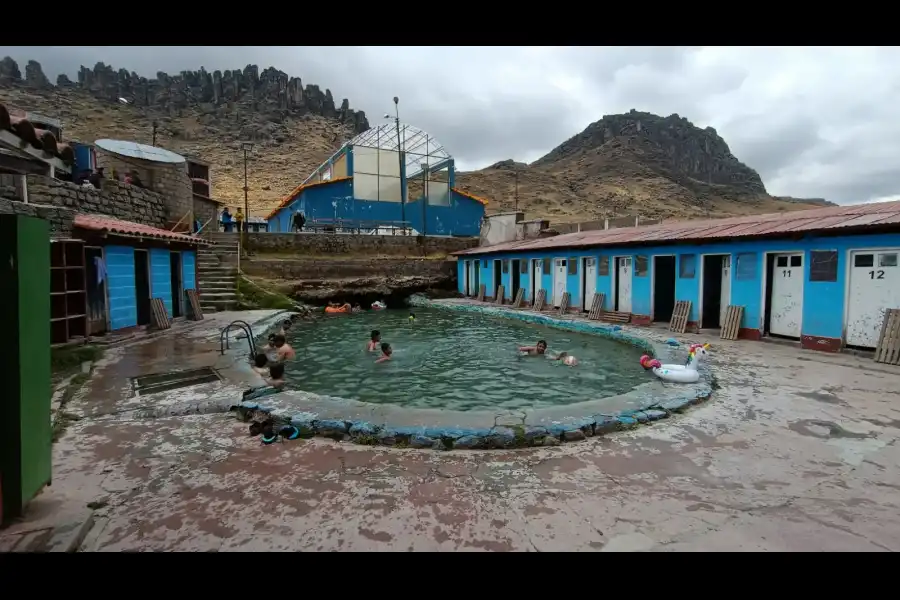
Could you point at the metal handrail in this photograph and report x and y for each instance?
(180, 220)
(223, 337)
(202, 227)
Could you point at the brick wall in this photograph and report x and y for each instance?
(169, 180)
(321, 243)
(311, 268)
(58, 201)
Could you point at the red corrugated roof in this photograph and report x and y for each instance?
(115, 226)
(470, 196)
(14, 121)
(805, 221)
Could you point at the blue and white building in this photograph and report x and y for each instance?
(394, 175)
(823, 276)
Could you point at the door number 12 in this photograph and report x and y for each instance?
(879, 274)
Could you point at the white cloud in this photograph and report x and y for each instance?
(815, 122)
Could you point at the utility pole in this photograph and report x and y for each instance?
(424, 195)
(400, 159)
(246, 147)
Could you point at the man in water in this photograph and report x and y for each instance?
(260, 364)
(283, 350)
(386, 352)
(537, 350)
(374, 340)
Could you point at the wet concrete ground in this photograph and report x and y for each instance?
(797, 451)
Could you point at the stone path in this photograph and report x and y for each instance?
(796, 451)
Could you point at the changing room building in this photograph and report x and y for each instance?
(823, 276)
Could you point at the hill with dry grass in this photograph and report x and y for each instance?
(637, 163)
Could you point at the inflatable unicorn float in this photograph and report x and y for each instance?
(686, 373)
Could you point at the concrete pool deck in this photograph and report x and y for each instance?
(797, 451)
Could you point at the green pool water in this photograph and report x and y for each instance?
(456, 361)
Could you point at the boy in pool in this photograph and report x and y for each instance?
(537, 350)
(566, 359)
(375, 338)
(386, 352)
(276, 376)
(260, 364)
(282, 349)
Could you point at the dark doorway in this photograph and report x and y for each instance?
(142, 285)
(663, 288)
(712, 292)
(514, 278)
(177, 291)
(498, 278)
(476, 284)
(615, 301)
(770, 274)
(96, 290)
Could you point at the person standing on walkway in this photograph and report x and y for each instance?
(299, 220)
(226, 220)
(239, 218)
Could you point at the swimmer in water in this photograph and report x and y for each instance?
(270, 346)
(285, 326)
(386, 352)
(566, 359)
(276, 376)
(412, 317)
(374, 340)
(260, 364)
(537, 350)
(282, 349)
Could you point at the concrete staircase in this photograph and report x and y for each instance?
(217, 270)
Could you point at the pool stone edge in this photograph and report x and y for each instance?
(501, 435)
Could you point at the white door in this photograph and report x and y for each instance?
(787, 295)
(726, 289)
(623, 277)
(537, 278)
(874, 288)
(559, 280)
(590, 282)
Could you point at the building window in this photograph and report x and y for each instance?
(603, 266)
(505, 267)
(547, 267)
(573, 266)
(640, 266)
(687, 266)
(823, 265)
(746, 266)
(887, 260)
(523, 267)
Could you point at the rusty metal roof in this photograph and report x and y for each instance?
(126, 228)
(16, 122)
(784, 223)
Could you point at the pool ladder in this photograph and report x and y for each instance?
(224, 337)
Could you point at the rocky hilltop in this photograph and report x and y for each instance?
(633, 163)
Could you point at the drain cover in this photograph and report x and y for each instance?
(165, 382)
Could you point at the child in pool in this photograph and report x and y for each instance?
(374, 339)
(283, 350)
(260, 364)
(536, 350)
(566, 359)
(276, 376)
(412, 317)
(386, 352)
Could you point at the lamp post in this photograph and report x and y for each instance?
(400, 160)
(424, 166)
(246, 147)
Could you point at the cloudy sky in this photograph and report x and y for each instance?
(815, 122)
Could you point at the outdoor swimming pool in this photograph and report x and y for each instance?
(455, 361)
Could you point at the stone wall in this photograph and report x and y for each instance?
(60, 219)
(312, 268)
(385, 245)
(169, 180)
(204, 210)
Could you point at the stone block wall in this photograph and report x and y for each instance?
(169, 180)
(310, 268)
(310, 244)
(204, 210)
(60, 218)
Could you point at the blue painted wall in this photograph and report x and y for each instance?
(189, 269)
(120, 286)
(823, 302)
(161, 277)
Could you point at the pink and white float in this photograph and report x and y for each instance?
(686, 373)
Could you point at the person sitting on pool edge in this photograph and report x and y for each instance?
(374, 339)
(536, 350)
(386, 352)
(283, 350)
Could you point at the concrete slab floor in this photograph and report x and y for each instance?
(797, 451)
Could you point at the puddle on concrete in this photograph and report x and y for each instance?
(174, 380)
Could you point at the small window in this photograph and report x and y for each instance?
(640, 266)
(484, 263)
(746, 266)
(687, 266)
(823, 265)
(603, 266)
(547, 266)
(796, 260)
(781, 261)
(573, 266)
(505, 268)
(523, 267)
(887, 260)
(864, 260)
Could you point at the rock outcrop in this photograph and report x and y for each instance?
(270, 92)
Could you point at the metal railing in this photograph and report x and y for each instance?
(224, 340)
